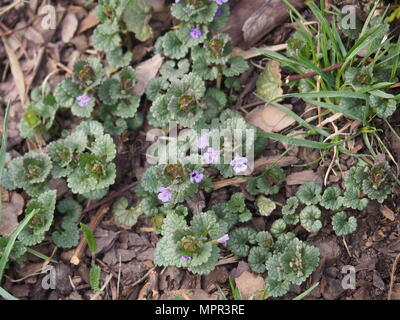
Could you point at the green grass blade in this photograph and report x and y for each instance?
(334, 108)
(223, 295)
(307, 292)
(40, 255)
(301, 121)
(11, 242)
(88, 234)
(7, 296)
(298, 142)
(3, 150)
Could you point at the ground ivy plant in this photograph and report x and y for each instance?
(199, 58)
(118, 19)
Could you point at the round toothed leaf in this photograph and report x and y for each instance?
(93, 128)
(173, 46)
(95, 194)
(265, 205)
(106, 37)
(109, 91)
(352, 199)
(200, 12)
(257, 259)
(205, 225)
(67, 237)
(104, 147)
(32, 168)
(310, 219)
(331, 199)
(343, 224)
(278, 227)
(156, 87)
(203, 69)
(172, 71)
(159, 113)
(239, 239)
(66, 93)
(70, 209)
(290, 206)
(309, 193)
(265, 239)
(127, 108)
(236, 66)
(276, 288)
(136, 17)
(117, 59)
(209, 265)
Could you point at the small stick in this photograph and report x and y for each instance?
(312, 74)
(94, 222)
(393, 276)
(110, 198)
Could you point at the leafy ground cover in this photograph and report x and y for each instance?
(101, 201)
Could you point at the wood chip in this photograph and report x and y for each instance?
(269, 118)
(146, 71)
(388, 213)
(89, 22)
(301, 177)
(69, 27)
(15, 70)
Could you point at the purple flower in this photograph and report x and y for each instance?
(223, 240)
(83, 100)
(165, 194)
(211, 156)
(239, 164)
(220, 2)
(177, 1)
(186, 258)
(202, 143)
(196, 176)
(218, 12)
(196, 33)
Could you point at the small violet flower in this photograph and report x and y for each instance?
(83, 100)
(196, 176)
(239, 164)
(177, 1)
(211, 156)
(220, 2)
(218, 12)
(186, 258)
(223, 240)
(196, 33)
(202, 143)
(165, 194)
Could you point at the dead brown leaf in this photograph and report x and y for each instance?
(250, 285)
(301, 177)
(15, 70)
(89, 22)
(69, 27)
(388, 213)
(269, 118)
(146, 71)
(11, 210)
